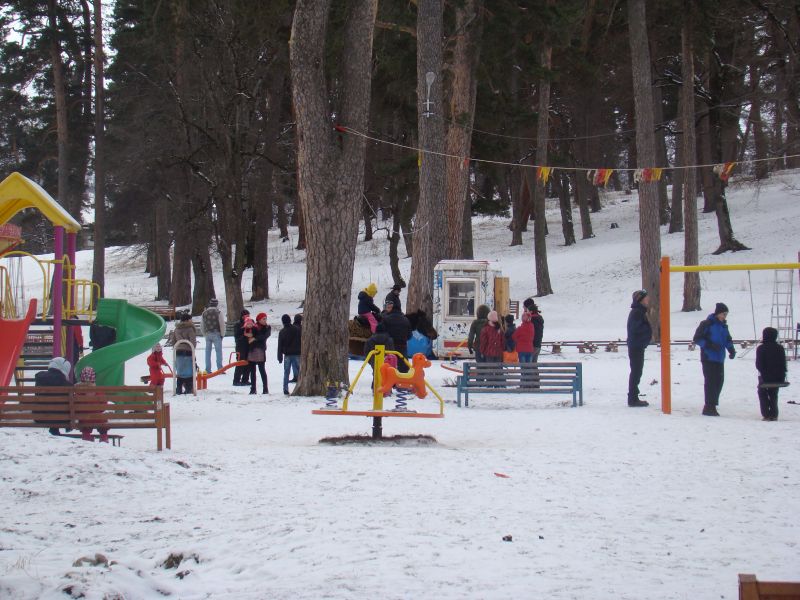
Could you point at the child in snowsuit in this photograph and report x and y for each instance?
(771, 365)
(154, 362)
(91, 418)
(366, 305)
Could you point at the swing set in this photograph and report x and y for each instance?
(666, 271)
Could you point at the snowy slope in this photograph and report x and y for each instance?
(601, 501)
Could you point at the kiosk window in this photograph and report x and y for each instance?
(461, 298)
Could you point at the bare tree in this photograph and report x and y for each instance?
(330, 178)
(649, 234)
(59, 89)
(429, 243)
(99, 252)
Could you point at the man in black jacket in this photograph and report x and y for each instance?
(241, 375)
(639, 334)
(399, 329)
(394, 297)
(289, 340)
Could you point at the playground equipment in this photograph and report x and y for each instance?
(386, 378)
(666, 270)
(203, 377)
(65, 303)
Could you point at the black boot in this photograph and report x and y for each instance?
(637, 402)
(709, 410)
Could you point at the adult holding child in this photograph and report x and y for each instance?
(257, 335)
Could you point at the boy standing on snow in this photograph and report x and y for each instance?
(771, 365)
(713, 337)
(639, 334)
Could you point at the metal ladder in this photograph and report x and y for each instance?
(782, 316)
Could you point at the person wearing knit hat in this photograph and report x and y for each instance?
(241, 374)
(713, 338)
(212, 328)
(640, 333)
(771, 366)
(492, 340)
(289, 340)
(154, 363)
(394, 297)
(56, 375)
(366, 306)
(257, 351)
(475, 328)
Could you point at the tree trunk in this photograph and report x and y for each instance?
(561, 183)
(466, 230)
(330, 175)
(430, 246)
(59, 91)
(181, 291)
(661, 155)
(581, 188)
(678, 176)
(649, 234)
(463, 78)
(260, 283)
(203, 274)
(691, 281)
(162, 244)
(543, 286)
(99, 250)
(755, 120)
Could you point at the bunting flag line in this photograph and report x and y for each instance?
(724, 170)
(647, 175)
(599, 176)
(543, 173)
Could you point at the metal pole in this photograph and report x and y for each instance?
(377, 428)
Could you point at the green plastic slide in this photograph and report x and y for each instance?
(138, 330)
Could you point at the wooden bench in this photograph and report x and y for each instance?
(752, 589)
(165, 311)
(521, 378)
(125, 407)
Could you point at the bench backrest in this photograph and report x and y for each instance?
(550, 374)
(752, 589)
(119, 406)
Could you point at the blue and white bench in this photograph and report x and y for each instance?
(521, 378)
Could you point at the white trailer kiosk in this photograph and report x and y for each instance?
(459, 288)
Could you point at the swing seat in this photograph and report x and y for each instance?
(771, 386)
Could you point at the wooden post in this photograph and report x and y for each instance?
(501, 295)
(666, 391)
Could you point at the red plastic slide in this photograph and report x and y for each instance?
(13, 332)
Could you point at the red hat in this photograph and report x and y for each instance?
(260, 316)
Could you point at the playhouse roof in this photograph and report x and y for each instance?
(17, 192)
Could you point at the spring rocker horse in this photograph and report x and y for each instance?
(387, 377)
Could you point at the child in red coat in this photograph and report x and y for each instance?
(154, 362)
(523, 338)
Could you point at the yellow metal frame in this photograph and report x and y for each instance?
(666, 270)
(379, 354)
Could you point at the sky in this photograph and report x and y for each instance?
(599, 501)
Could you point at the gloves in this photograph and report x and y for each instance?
(712, 346)
(732, 354)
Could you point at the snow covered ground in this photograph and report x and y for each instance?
(601, 501)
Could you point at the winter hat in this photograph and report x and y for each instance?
(213, 302)
(87, 375)
(286, 320)
(371, 289)
(493, 316)
(529, 304)
(770, 334)
(638, 295)
(261, 315)
(397, 287)
(509, 319)
(245, 313)
(248, 323)
(157, 348)
(185, 316)
(380, 328)
(60, 364)
(720, 308)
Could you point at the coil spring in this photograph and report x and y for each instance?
(402, 399)
(332, 396)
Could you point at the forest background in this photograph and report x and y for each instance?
(191, 128)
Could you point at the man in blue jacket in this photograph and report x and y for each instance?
(714, 339)
(639, 335)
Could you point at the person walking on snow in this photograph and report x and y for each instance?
(289, 351)
(212, 326)
(771, 365)
(366, 305)
(639, 335)
(714, 339)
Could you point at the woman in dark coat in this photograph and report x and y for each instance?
(241, 375)
(257, 352)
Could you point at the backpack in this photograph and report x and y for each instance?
(101, 336)
(211, 320)
(701, 330)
